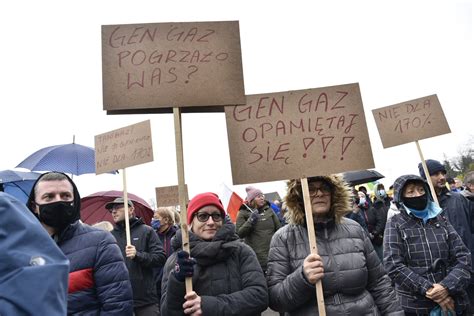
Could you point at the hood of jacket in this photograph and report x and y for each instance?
(340, 199)
(400, 183)
(77, 198)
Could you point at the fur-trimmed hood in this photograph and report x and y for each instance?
(340, 199)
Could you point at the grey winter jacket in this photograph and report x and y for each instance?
(354, 281)
(227, 277)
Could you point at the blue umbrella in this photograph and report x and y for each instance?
(68, 158)
(18, 183)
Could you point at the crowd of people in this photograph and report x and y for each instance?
(387, 254)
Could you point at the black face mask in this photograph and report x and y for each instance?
(417, 203)
(58, 214)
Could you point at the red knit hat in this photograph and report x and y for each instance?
(201, 200)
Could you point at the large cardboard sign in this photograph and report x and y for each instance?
(410, 121)
(169, 196)
(297, 134)
(123, 147)
(171, 65)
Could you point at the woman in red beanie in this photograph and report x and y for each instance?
(227, 278)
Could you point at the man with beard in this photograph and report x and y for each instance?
(98, 278)
(141, 257)
(456, 207)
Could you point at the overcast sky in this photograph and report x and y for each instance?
(51, 76)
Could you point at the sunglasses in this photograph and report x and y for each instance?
(204, 217)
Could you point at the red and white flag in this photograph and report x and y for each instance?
(231, 201)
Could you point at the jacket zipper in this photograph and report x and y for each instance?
(429, 249)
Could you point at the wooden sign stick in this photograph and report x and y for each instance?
(125, 206)
(312, 242)
(181, 188)
(427, 173)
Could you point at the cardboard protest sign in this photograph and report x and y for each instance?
(165, 65)
(410, 121)
(169, 196)
(123, 147)
(297, 134)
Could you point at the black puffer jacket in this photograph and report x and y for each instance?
(410, 249)
(354, 281)
(150, 255)
(227, 277)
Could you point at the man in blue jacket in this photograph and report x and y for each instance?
(98, 278)
(33, 270)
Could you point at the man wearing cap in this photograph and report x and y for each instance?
(456, 207)
(143, 255)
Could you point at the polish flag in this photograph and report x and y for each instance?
(231, 201)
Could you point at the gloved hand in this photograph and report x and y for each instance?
(184, 266)
(253, 217)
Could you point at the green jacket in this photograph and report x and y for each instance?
(259, 235)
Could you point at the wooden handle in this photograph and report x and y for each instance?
(125, 206)
(181, 188)
(427, 173)
(312, 242)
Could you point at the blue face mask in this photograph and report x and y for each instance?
(155, 223)
(382, 193)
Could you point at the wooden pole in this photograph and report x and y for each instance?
(125, 206)
(312, 242)
(181, 188)
(427, 173)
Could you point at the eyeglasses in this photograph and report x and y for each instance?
(324, 188)
(204, 217)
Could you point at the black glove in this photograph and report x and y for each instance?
(184, 266)
(253, 217)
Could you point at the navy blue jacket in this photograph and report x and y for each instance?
(98, 278)
(33, 270)
(458, 210)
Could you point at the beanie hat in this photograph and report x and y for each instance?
(201, 200)
(433, 166)
(252, 193)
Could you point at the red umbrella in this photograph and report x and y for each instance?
(93, 207)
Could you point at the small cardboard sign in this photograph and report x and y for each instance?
(410, 121)
(297, 134)
(169, 196)
(164, 65)
(123, 147)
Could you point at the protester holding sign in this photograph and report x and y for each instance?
(98, 278)
(353, 279)
(423, 254)
(256, 223)
(144, 254)
(227, 279)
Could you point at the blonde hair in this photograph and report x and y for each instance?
(104, 225)
(166, 212)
